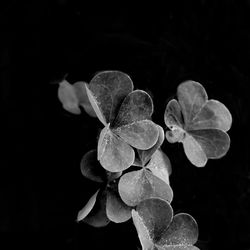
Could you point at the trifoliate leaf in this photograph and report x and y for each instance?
(203, 133)
(158, 229)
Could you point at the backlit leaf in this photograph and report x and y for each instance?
(136, 186)
(117, 86)
(68, 97)
(183, 230)
(213, 115)
(117, 211)
(156, 215)
(114, 154)
(137, 106)
(142, 231)
(160, 166)
(88, 207)
(141, 134)
(91, 168)
(192, 96)
(145, 155)
(83, 99)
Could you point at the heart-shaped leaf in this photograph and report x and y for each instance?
(145, 155)
(83, 99)
(156, 215)
(108, 89)
(91, 168)
(160, 166)
(213, 115)
(117, 211)
(114, 154)
(137, 106)
(183, 230)
(192, 97)
(136, 186)
(194, 151)
(96, 208)
(203, 133)
(68, 97)
(214, 142)
(140, 134)
(158, 229)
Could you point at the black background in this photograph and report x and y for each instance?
(41, 187)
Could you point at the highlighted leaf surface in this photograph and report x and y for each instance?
(141, 134)
(136, 186)
(108, 89)
(114, 153)
(160, 166)
(137, 106)
(183, 230)
(203, 132)
(158, 229)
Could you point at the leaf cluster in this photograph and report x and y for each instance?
(128, 163)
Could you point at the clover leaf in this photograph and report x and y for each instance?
(105, 205)
(200, 124)
(126, 115)
(74, 95)
(152, 180)
(157, 228)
